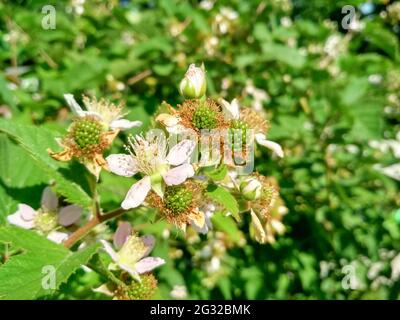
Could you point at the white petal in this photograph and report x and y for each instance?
(123, 232)
(231, 110)
(69, 215)
(27, 212)
(121, 164)
(181, 152)
(137, 193)
(49, 199)
(148, 264)
(123, 124)
(205, 227)
(392, 171)
(149, 241)
(18, 220)
(167, 119)
(109, 250)
(104, 289)
(275, 147)
(57, 237)
(132, 272)
(179, 174)
(75, 107)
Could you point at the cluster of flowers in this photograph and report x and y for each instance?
(171, 178)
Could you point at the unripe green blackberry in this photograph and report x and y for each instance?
(86, 132)
(238, 133)
(143, 290)
(178, 199)
(205, 118)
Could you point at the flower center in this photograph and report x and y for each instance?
(46, 221)
(143, 290)
(178, 199)
(238, 133)
(205, 118)
(86, 132)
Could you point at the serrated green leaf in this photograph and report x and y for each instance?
(217, 174)
(224, 198)
(226, 225)
(35, 141)
(22, 275)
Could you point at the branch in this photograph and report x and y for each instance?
(96, 220)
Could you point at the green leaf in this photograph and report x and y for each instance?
(22, 275)
(284, 54)
(227, 225)
(217, 174)
(35, 141)
(5, 93)
(224, 198)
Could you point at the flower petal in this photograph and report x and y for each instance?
(57, 237)
(149, 241)
(198, 222)
(137, 193)
(168, 120)
(69, 215)
(75, 107)
(148, 264)
(121, 164)
(181, 152)
(230, 110)
(27, 212)
(18, 217)
(109, 250)
(104, 289)
(259, 231)
(123, 232)
(178, 174)
(275, 147)
(132, 272)
(124, 124)
(49, 199)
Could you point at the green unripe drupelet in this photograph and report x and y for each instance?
(178, 199)
(86, 132)
(205, 118)
(238, 133)
(143, 290)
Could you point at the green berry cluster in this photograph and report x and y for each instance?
(143, 290)
(178, 199)
(238, 133)
(205, 118)
(86, 132)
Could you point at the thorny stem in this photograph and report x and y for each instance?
(96, 220)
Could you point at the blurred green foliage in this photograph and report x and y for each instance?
(327, 92)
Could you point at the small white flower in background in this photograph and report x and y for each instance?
(149, 157)
(133, 255)
(179, 292)
(109, 114)
(48, 218)
(232, 112)
(194, 84)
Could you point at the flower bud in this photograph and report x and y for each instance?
(193, 85)
(251, 189)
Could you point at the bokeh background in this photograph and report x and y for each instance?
(330, 91)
